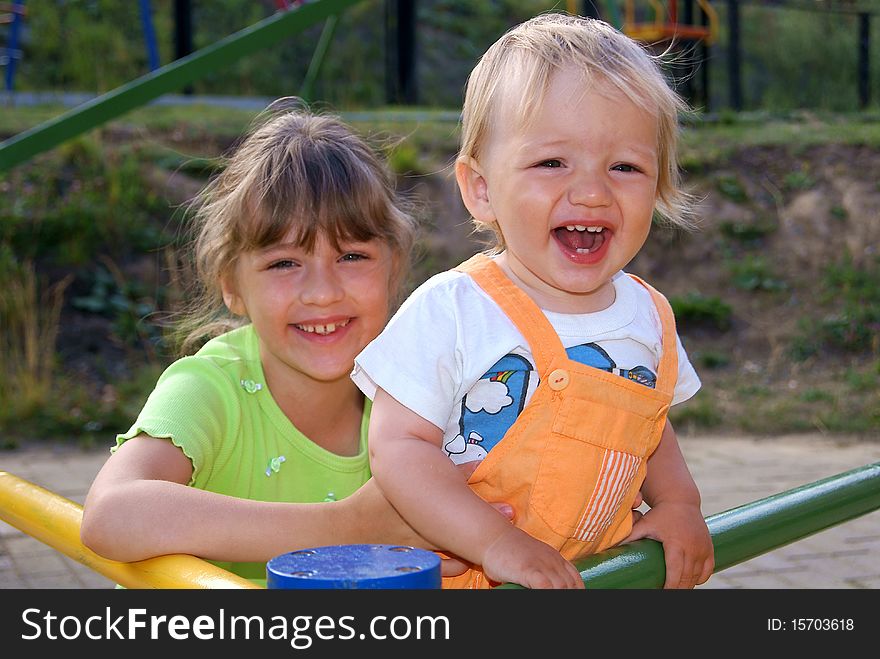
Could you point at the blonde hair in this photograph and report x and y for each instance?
(296, 174)
(529, 55)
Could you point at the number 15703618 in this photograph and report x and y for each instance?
(810, 624)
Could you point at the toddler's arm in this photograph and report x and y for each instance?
(427, 489)
(675, 518)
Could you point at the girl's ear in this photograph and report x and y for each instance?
(474, 189)
(231, 298)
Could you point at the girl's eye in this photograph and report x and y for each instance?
(353, 257)
(551, 163)
(282, 264)
(625, 168)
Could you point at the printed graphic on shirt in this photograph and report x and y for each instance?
(498, 397)
(593, 355)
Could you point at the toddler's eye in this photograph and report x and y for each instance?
(353, 257)
(552, 163)
(625, 168)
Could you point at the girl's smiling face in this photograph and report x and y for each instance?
(313, 311)
(572, 190)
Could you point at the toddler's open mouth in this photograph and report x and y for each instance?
(581, 238)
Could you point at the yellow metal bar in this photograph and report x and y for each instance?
(55, 521)
(713, 21)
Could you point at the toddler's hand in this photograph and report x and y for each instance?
(517, 557)
(687, 545)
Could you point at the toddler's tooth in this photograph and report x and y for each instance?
(580, 227)
(569, 228)
(329, 328)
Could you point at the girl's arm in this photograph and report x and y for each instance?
(675, 518)
(431, 495)
(139, 506)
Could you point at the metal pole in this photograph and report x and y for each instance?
(688, 89)
(704, 62)
(406, 51)
(864, 60)
(55, 521)
(747, 531)
(401, 84)
(318, 56)
(590, 9)
(149, 34)
(12, 51)
(733, 55)
(183, 41)
(391, 81)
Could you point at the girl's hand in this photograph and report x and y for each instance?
(687, 545)
(517, 557)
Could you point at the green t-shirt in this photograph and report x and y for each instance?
(216, 407)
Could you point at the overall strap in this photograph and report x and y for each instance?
(522, 311)
(667, 371)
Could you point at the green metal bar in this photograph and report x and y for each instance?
(318, 57)
(745, 532)
(173, 76)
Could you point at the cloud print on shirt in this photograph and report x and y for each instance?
(488, 396)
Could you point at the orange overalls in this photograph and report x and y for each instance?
(574, 460)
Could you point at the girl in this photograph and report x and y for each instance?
(256, 444)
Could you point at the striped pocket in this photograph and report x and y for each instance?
(615, 477)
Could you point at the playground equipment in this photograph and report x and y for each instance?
(55, 521)
(667, 25)
(13, 15)
(168, 78)
(149, 34)
(737, 534)
(355, 567)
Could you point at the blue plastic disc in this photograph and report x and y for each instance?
(355, 567)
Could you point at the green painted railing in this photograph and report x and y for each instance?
(169, 78)
(747, 531)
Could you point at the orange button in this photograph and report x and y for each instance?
(558, 379)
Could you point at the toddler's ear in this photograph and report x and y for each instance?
(474, 189)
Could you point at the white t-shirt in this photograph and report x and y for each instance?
(453, 357)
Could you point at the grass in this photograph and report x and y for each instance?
(695, 310)
(30, 313)
(849, 319)
(709, 140)
(847, 402)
